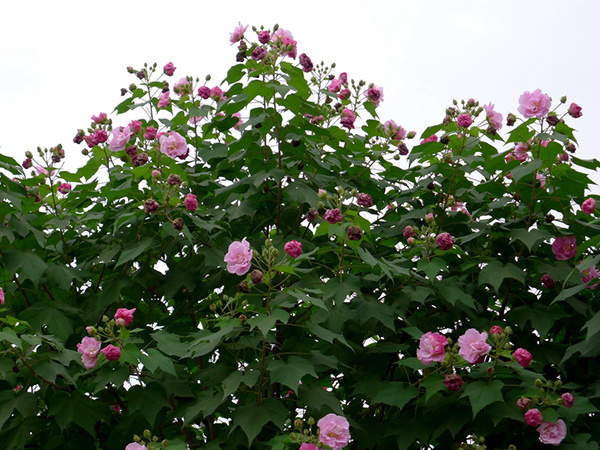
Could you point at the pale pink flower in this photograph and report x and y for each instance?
(520, 151)
(239, 122)
(589, 274)
(238, 33)
(445, 241)
(307, 446)
(111, 352)
(174, 145)
(375, 95)
(125, 314)
(523, 403)
(119, 138)
(286, 38)
(460, 206)
(101, 118)
(552, 433)
(239, 257)
(334, 431)
(64, 188)
(89, 348)
(567, 399)
(564, 247)
(533, 417)
(42, 171)
(335, 85)
(588, 206)
(293, 248)
(523, 357)
(348, 118)
(494, 118)
(182, 87)
(473, 346)
(541, 179)
(190, 202)
(169, 69)
(432, 348)
(534, 104)
(163, 100)
(464, 120)
(135, 446)
(394, 131)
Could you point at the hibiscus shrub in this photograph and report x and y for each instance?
(266, 264)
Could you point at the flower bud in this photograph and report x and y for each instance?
(511, 119)
(539, 383)
(411, 134)
(563, 99)
(147, 435)
(298, 424)
(256, 276)
(311, 421)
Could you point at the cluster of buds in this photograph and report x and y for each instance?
(304, 434)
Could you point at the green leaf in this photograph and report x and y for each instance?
(431, 268)
(327, 335)
(494, 273)
(530, 237)
(266, 322)
(482, 394)
(206, 404)
(433, 384)
(78, 408)
(32, 266)
(395, 393)
(135, 249)
(156, 360)
(148, 401)
(253, 418)
(290, 372)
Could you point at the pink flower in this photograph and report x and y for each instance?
(541, 179)
(464, 120)
(523, 357)
(258, 54)
(394, 131)
(135, 125)
(111, 352)
(375, 94)
(445, 241)
(1, 296)
(293, 248)
(101, 118)
(520, 151)
(217, 94)
(119, 138)
(125, 314)
(64, 188)
(239, 257)
(190, 202)
(348, 118)
(89, 348)
(588, 206)
(547, 281)
(552, 433)
(164, 100)
(364, 200)
(453, 381)
(533, 417)
(239, 122)
(575, 110)
(135, 446)
(473, 346)
(204, 92)
(496, 330)
(174, 145)
(286, 38)
(564, 247)
(333, 216)
(432, 348)
(408, 232)
(494, 118)
(523, 403)
(182, 87)
(460, 206)
(334, 431)
(432, 138)
(306, 446)
(264, 37)
(534, 104)
(589, 274)
(567, 399)
(238, 33)
(169, 69)
(150, 133)
(335, 85)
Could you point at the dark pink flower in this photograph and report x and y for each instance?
(111, 352)
(204, 92)
(238, 33)
(534, 104)
(307, 446)
(1, 297)
(496, 330)
(364, 200)
(589, 274)
(150, 206)
(432, 348)
(575, 110)
(27, 163)
(344, 94)
(464, 120)
(264, 37)
(335, 85)
(408, 232)
(354, 233)
(588, 206)
(334, 431)
(375, 94)
(533, 417)
(64, 188)
(445, 241)
(564, 247)
(135, 125)
(453, 381)
(89, 348)
(567, 399)
(305, 62)
(523, 357)
(125, 314)
(547, 281)
(333, 215)
(293, 248)
(432, 138)
(258, 54)
(150, 133)
(348, 118)
(552, 433)
(101, 118)
(217, 94)
(190, 202)
(473, 346)
(169, 69)
(239, 257)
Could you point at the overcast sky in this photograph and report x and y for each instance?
(63, 61)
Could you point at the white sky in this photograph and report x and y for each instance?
(63, 61)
